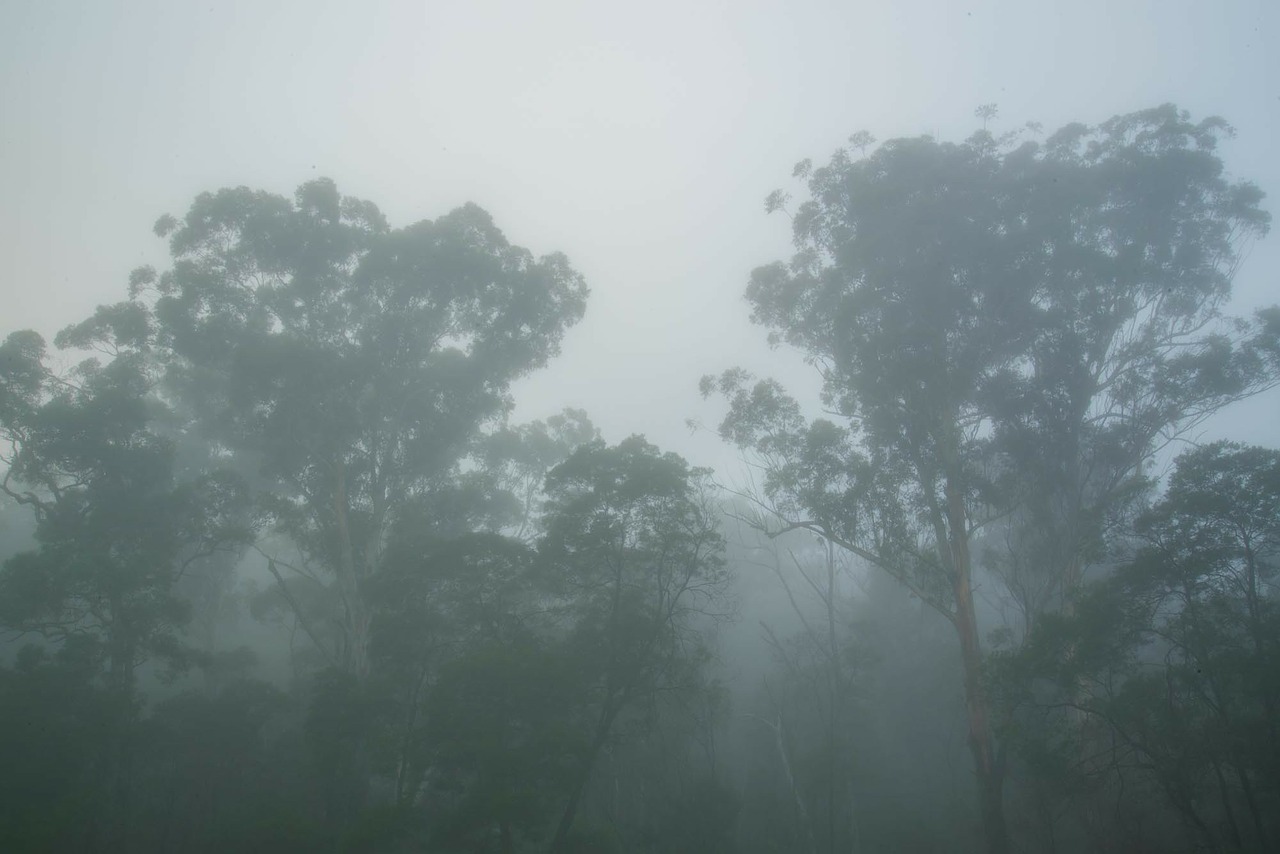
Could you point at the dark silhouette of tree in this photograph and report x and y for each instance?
(632, 555)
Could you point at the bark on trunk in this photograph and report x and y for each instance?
(987, 765)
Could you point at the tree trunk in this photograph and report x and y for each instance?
(802, 814)
(836, 672)
(356, 654)
(575, 796)
(986, 763)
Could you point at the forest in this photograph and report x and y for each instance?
(282, 572)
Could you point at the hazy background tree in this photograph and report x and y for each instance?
(1162, 682)
(115, 532)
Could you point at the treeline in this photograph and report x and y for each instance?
(281, 573)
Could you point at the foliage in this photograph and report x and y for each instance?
(1006, 332)
(504, 637)
(1173, 660)
(632, 556)
(115, 530)
(52, 717)
(355, 363)
(519, 457)
(503, 726)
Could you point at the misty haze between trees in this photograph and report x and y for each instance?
(281, 574)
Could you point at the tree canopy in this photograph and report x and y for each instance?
(353, 362)
(280, 572)
(1003, 328)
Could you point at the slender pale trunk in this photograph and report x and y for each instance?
(987, 764)
(801, 812)
(837, 702)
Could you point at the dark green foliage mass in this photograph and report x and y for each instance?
(1173, 663)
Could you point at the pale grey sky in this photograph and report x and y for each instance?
(639, 138)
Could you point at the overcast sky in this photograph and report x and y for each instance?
(638, 138)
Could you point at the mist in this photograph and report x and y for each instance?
(556, 427)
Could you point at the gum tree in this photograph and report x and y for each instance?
(353, 364)
(966, 306)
